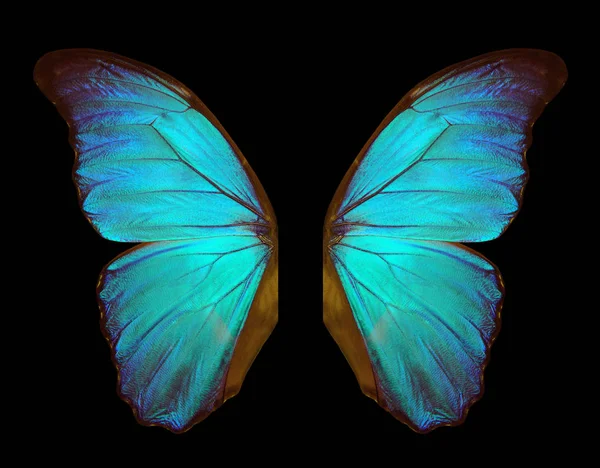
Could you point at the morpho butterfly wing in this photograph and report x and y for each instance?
(186, 312)
(414, 312)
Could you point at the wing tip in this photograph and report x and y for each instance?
(551, 61)
(48, 67)
(549, 65)
(53, 64)
(552, 67)
(42, 71)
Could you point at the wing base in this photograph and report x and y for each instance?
(260, 322)
(340, 323)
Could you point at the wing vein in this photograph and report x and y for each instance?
(233, 197)
(116, 80)
(422, 99)
(401, 173)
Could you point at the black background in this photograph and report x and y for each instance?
(300, 110)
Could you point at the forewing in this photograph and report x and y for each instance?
(152, 163)
(448, 163)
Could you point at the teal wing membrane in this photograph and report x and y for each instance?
(150, 163)
(153, 165)
(428, 311)
(172, 312)
(447, 165)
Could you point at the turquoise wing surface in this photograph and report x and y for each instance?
(153, 165)
(151, 162)
(447, 165)
(172, 312)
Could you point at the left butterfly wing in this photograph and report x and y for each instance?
(414, 316)
(185, 314)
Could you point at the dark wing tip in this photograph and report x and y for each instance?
(556, 70)
(53, 64)
(552, 62)
(44, 70)
(550, 67)
(545, 65)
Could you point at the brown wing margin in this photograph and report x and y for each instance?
(340, 323)
(260, 322)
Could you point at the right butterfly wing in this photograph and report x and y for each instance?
(186, 314)
(416, 316)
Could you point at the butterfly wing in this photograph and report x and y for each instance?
(415, 313)
(152, 163)
(428, 312)
(172, 312)
(186, 312)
